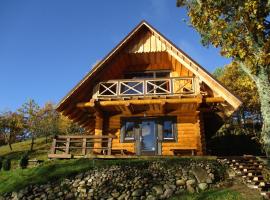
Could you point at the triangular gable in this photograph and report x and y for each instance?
(154, 41)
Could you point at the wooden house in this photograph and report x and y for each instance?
(146, 97)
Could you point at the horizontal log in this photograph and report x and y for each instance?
(214, 100)
(83, 136)
(141, 102)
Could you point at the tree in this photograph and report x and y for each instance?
(66, 126)
(247, 120)
(31, 113)
(11, 125)
(49, 123)
(241, 29)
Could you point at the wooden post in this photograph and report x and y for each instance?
(67, 146)
(53, 146)
(84, 146)
(109, 146)
(98, 132)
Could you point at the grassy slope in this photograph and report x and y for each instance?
(58, 169)
(214, 194)
(40, 150)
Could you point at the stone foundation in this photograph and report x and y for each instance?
(146, 180)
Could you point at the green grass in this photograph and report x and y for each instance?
(40, 151)
(53, 170)
(214, 194)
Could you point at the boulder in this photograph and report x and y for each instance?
(191, 182)
(190, 189)
(200, 174)
(151, 197)
(168, 193)
(180, 182)
(202, 186)
(158, 189)
(137, 193)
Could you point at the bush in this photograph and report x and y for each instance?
(1, 163)
(24, 161)
(7, 164)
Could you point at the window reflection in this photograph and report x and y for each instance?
(168, 129)
(129, 130)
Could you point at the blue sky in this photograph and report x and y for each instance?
(47, 46)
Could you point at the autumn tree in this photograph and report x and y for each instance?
(49, 121)
(240, 29)
(11, 126)
(31, 112)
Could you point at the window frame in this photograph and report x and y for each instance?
(173, 119)
(159, 122)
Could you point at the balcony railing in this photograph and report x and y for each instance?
(146, 87)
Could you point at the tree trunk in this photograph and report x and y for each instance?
(263, 86)
(32, 143)
(10, 145)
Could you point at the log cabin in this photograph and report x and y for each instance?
(146, 97)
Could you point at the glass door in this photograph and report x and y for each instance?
(148, 140)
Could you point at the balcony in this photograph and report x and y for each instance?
(182, 86)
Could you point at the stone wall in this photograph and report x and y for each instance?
(146, 180)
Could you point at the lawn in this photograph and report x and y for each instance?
(40, 151)
(214, 194)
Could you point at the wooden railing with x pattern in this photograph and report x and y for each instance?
(80, 145)
(147, 87)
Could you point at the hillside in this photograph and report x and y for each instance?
(40, 151)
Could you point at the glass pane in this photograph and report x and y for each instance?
(129, 130)
(148, 136)
(168, 130)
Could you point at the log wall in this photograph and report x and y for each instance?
(188, 130)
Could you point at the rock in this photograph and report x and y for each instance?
(82, 190)
(190, 182)
(137, 193)
(231, 173)
(69, 196)
(202, 186)
(212, 176)
(158, 189)
(200, 174)
(151, 197)
(180, 182)
(168, 193)
(190, 189)
(82, 183)
(115, 194)
(122, 197)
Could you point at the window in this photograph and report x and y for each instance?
(168, 129)
(148, 74)
(127, 131)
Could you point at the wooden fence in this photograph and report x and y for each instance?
(80, 145)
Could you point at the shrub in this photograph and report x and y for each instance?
(1, 163)
(7, 164)
(24, 160)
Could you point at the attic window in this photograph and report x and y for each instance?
(148, 74)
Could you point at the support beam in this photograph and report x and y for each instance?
(98, 130)
(214, 100)
(141, 102)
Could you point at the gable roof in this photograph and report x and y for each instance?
(70, 99)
